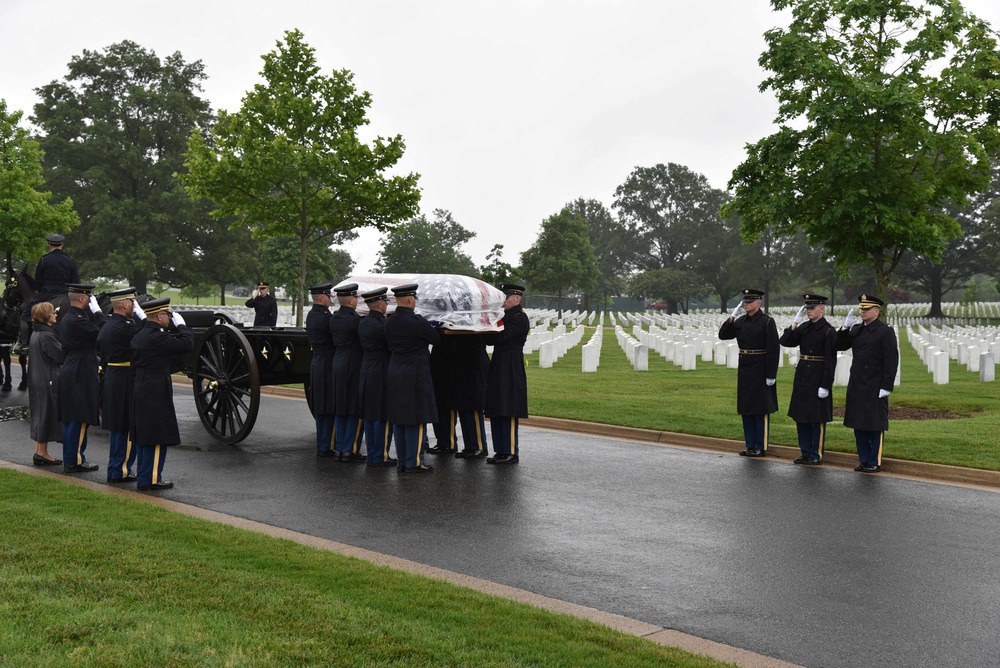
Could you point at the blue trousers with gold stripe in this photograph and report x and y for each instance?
(473, 430)
(504, 431)
(869, 446)
(755, 431)
(378, 437)
(121, 458)
(149, 464)
(74, 443)
(409, 444)
(812, 439)
(325, 423)
(445, 432)
(349, 433)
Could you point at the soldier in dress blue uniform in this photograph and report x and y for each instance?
(321, 369)
(507, 383)
(873, 374)
(471, 371)
(410, 395)
(53, 274)
(78, 377)
(756, 391)
(372, 379)
(115, 343)
(346, 374)
(443, 370)
(812, 402)
(154, 421)
(265, 307)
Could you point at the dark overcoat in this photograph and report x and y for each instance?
(115, 345)
(443, 367)
(410, 392)
(54, 270)
(374, 366)
(347, 353)
(321, 367)
(757, 336)
(506, 382)
(815, 341)
(78, 378)
(154, 421)
(265, 310)
(876, 359)
(469, 372)
(43, 384)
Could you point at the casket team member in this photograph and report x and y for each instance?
(115, 344)
(78, 378)
(321, 368)
(443, 371)
(54, 273)
(756, 393)
(43, 379)
(372, 379)
(265, 307)
(507, 384)
(812, 401)
(471, 370)
(873, 373)
(347, 353)
(154, 421)
(410, 395)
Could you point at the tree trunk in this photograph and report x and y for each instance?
(560, 305)
(141, 284)
(936, 281)
(300, 282)
(724, 301)
(222, 294)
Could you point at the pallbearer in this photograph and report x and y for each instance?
(372, 383)
(507, 383)
(78, 377)
(347, 354)
(812, 401)
(321, 368)
(472, 368)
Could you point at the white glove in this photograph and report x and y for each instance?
(93, 304)
(850, 319)
(176, 318)
(801, 316)
(736, 311)
(882, 394)
(822, 393)
(137, 310)
(770, 381)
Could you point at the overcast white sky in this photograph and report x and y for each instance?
(509, 109)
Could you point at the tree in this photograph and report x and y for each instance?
(278, 264)
(290, 162)
(496, 271)
(427, 247)
(228, 254)
(888, 111)
(561, 259)
(608, 237)
(114, 133)
(670, 286)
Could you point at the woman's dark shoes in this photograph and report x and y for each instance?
(38, 460)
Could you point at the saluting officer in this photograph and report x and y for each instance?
(115, 344)
(873, 373)
(78, 377)
(265, 307)
(53, 275)
(372, 379)
(154, 421)
(812, 403)
(410, 395)
(347, 352)
(756, 393)
(321, 368)
(507, 383)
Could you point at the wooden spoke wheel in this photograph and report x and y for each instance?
(226, 384)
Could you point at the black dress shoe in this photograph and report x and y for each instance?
(439, 450)
(870, 469)
(166, 484)
(811, 461)
(503, 459)
(475, 454)
(82, 468)
(388, 462)
(354, 457)
(38, 460)
(6, 387)
(327, 453)
(423, 468)
(859, 468)
(128, 478)
(23, 386)
(751, 453)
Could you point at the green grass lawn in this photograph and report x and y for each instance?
(703, 402)
(96, 580)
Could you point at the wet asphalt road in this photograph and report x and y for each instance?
(818, 567)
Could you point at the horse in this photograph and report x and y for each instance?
(10, 316)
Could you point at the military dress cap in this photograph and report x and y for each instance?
(751, 295)
(154, 306)
(80, 288)
(408, 290)
(124, 294)
(55, 239)
(321, 289)
(262, 284)
(379, 294)
(511, 289)
(868, 301)
(814, 300)
(347, 290)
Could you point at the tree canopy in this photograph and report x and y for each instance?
(424, 246)
(279, 263)
(610, 241)
(561, 259)
(290, 161)
(888, 111)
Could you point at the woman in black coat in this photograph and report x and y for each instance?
(43, 383)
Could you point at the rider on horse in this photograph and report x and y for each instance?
(55, 269)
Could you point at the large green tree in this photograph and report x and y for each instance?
(609, 238)
(290, 161)
(562, 258)
(278, 264)
(26, 213)
(888, 111)
(669, 286)
(496, 271)
(424, 246)
(114, 132)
